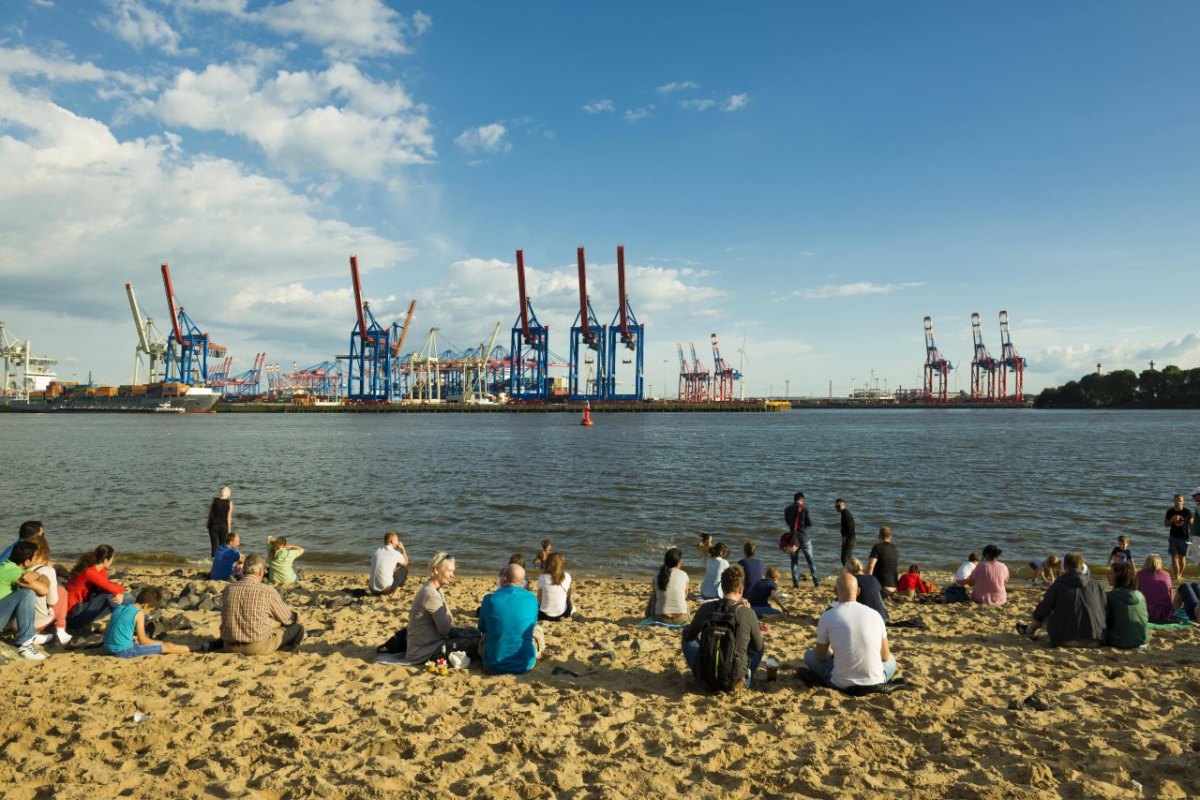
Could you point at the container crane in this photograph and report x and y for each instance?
(368, 376)
(188, 349)
(723, 374)
(150, 342)
(426, 384)
(23, 371)
(1010, 360)
(686, 390)
(248, 383)
(399, 384)
(935, 365)
(701, 377)
(626, 331)
(529, 356)
(588, 371)
(475, 385)
(983, 366)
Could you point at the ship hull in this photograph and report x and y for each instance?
(194, 401)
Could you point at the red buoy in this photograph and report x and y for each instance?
(587, 414)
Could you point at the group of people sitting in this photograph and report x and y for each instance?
(228, 560)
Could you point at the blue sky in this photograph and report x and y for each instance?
(811, 178)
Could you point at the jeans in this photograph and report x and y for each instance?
(1189, 593)
(806, 549)
(80, 618)
(765, 611)
(824, 669)
(19, 604)
(691, 651)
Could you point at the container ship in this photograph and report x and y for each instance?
(151, 397)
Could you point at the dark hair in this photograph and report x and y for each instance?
(1124, 575)
(914, 568)
(991, 552)
(798, 496)
(22, 552)
(151, 596)
(732, 579)
(838, 502)
(29, 530)
(749, 548)
(101, 553)
(973, 557)
(229, 537)
(671, 560)
(516, 558)
(718, 550)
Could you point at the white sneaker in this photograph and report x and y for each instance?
(42, 638)
(63, 636)
(30, 651)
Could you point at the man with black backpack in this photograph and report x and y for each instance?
(723, 644)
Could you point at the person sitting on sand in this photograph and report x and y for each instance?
(752, 565)
(511, 638)
(1046, 572)
(17, 598)
(430, 624)
(227, 563)
(540, 559)
(989, 581)
(668, 602)
(764, 592)
(254, 619)
(515, 558)
(852, 644)
(1154, 583)
(389, 566)
(282, 557)
(1127, 625)
(884, 561)
(554, 590)
(911, 583)
(965, 569)
(126, 635)
(90, 594)
(28, 532)
(748, 641)
(710, 587)
(870, 594)
(49, 599)
(1072, 610)
(1188, 595)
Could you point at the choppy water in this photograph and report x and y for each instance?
(611, 497)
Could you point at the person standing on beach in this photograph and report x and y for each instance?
(252, 614)
(798, 522)
(1179, 520)
(220, 519)
(848, 531)
(884, 561)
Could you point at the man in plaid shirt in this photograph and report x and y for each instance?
(252, 613)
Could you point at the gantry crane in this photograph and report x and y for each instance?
(475, 370)
(188, 349)
(23, 371)
(723, 374)
(625, 332)
(150, 342)
(1010, 360)
(983, 366)
(529, 356)
(368, 374)
(701, 377)
(588, 371)
(935, 366)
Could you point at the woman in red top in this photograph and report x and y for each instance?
(90, 594)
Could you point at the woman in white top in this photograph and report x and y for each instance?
(710, 587)
(670, 590)
(50, 608)
(554, 590)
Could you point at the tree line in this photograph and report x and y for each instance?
(1170, 387)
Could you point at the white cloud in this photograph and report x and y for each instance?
(140, 26)
(599, 106)
(636, 114)
(736, 101)
(696, 104)
(852, 290)
(421, 23)
(485, 138)
(668, 88)
(336, 120)
(346, 27)
(1070, 362)
(22, 61)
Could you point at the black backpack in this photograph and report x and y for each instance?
(720, 666)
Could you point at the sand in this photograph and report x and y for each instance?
(327, 721)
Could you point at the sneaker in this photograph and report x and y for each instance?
(30, 651)
(42, 638)
(62, 636)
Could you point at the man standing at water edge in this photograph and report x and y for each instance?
(848, 532)
(1179, 520)
(798, 522)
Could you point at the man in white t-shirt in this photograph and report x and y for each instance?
(852, 646)
(389, 566)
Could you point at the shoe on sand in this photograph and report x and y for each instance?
(62, 636)
(42, 638)
(30, 651)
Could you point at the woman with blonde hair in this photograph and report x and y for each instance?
(431, 628)
(50, 608)
(554, 590)
(1155, 583)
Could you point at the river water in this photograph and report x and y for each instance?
(611, 497)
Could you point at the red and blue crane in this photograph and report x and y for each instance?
(588, 375)
(1010, 360)
(529, 356)
(369, 371)
(937, 369)
(188, 348)
(626, 344)
(723, 375)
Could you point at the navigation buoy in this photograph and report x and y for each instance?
(587, 414)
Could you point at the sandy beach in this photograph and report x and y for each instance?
(327, 721)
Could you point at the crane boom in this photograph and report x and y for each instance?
(166, 273)
(358, 302)
(524, 298)
(583, 298)
(622, 308)
(404, 331)
(486, 354)
(143, 340)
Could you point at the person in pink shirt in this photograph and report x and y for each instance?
(989, 579)
(1155, 583)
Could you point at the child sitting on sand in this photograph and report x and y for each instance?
(764, 592)
(1047, 572)
(126, 634)
(911, 582)
(280, 557)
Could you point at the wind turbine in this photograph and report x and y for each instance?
(742, 368)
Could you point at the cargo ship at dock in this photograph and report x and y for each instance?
(168, 397)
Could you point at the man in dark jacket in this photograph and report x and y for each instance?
(748, 647)
(798, 522)
(1072, 610)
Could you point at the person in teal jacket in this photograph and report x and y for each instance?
(512, 639)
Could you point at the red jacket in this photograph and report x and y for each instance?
(93, 578)
(911, 581)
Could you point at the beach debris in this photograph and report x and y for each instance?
(564, 671)
(459, 659)
(140, 717)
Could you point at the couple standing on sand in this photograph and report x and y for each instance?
(796, 541)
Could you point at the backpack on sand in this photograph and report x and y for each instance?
(720, 666)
